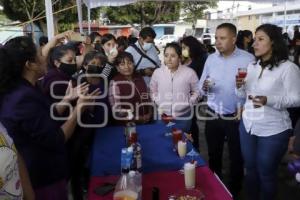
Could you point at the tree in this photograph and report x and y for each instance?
(22, 10)
(144, 13)
(28, 10)
(195, 10)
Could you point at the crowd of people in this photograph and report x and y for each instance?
(53, 97)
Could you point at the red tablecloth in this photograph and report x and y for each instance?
(168, 182)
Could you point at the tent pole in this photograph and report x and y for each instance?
(89, 19)
(49, 17)
(79, 11)
(285, 28)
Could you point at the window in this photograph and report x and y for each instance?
(297, 11)
(249, 17)
(268, 15)
(280, 13)
(169, 30)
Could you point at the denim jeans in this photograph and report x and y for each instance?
(262, 156)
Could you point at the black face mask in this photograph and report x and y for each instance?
(94, 69)
(68, 69)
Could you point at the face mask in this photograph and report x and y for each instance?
(94, 69)
(185, 53)
(68, 69)
(147, 46)
(113, 52)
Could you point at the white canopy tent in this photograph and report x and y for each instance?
(98, 3)
(89, 3)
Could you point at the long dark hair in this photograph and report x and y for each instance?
(94, 55)
(13, 57)
(57, 53)
(279, 48)
(197, 49)
(123, 56)
(107, 37)
(240, 39)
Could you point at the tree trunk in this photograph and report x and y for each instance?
(43, 27)
(32, 30)
(142, 15)
(55, 21)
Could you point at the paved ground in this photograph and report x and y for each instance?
(288, 188)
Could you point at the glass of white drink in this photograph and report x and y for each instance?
(189, 175)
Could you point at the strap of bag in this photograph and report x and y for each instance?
(143, 55)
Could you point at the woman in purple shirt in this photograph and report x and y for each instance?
(61, 67)
(25, 112)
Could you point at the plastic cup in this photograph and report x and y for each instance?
(181, 148)
(189, 175)
(176, 136)
(242, 72)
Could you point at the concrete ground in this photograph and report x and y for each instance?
(288, 189)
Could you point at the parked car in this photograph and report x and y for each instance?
(165, 39)
(207, 38)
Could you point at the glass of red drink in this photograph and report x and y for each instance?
(176, 136)
(166, 118)
(242, 72)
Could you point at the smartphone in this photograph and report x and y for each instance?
(104, 189)
(78, 37)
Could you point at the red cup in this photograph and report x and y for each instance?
(242, 72)
(166, 118)
(176, 136)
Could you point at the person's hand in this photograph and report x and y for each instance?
(60, 38)
(239, 82)
(238, 114)
(291, 144)
(205, 86)
(258, 101)
(73, 93)
(86, 98)
(146, 118)
(148, 71)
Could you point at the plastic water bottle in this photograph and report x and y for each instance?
(129, 129)
(137, 153)
(136, 178)
(124, 161)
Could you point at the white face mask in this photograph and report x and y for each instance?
(147, 46)
(113, 52)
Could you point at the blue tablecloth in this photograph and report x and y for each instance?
(157, 150)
